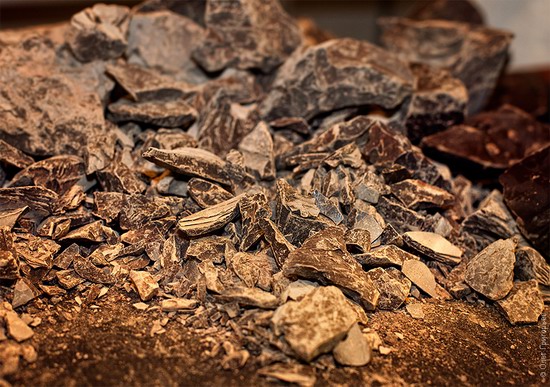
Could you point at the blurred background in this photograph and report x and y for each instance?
(528, 19)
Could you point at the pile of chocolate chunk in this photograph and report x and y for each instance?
(252, 175)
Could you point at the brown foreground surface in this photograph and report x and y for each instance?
(456, 343)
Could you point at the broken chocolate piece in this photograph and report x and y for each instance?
(169, 114)
(10, 155)
(458, 10)
(385, 256)
(524, 303)
(280, 246)
(23, 292)
(315, 324)
(260, 35)
(359, 73)
(206, 193)
(210, 219)
(190, 162)
(354, 350)
(420, 276)
(323, 257)
(249, 297)
(9, 262)
(433, 246)
(99, 32)
(358, 241)
(87, 270)
(254, 209)
(145, 284)
(530, 265)
(393, 286)
(36, 252)
(418, 195)
(491, 272)
(257, 150)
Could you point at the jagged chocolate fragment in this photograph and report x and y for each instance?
(254, 209)
(336, 74)
(9, 262)
(433, 246)
(246, 34)
(10, 155)
(419, 195)
(168, 113)
(385, 256)
(87, 270)
(190, 162)
(257, 150)
(210, 219)
(323, 257)
(99, 32)
(524, 303)
(206, 193)
(393, 286)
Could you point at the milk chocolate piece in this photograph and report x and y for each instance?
(206, 193)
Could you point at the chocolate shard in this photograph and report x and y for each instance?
(249, 297)
(525, 193)
(146, 286)
(8, 218)
(358, 241)
(438, 101)
(328, 207)
(383, 145)
(254, 209)
(531, 265)
(473, 54)
(393, 286)
(206, 193)
(323, 257)
(210, 248)
(9, 260)
(10, 155)
(190, 162)
(421, 276)
(355, 350)
(68, 279)
(260, 35)
(108, 205)
(280, 246)
(154, 37)
(40, 201)
(433, 246)
(524, 303)
(336, 136)
(496, 139)
(36, 252)
(66, 257)
(87, 270)
(167, 113)
(257, 149)
(146, 85)
(418, 195)
(315, 324)
(491, 272)
(137, 210)
(299, 374)
(99, 32)
(210, 219)
(490, 221)
(23, 292)
(118, 177)
(174, 138)
(352, 72)
(253, 269)
(94, 232)
(369, 186)
(401, 218)
(385, 256)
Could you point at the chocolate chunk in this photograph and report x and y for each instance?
(68, 279)
(108, 205)
(146, 85)
(24, 292)
(12, 156)
(254, 209)
(40, 201)
(438, 101)
(9, 262)
(383, 145)
(211, 248)
(323, 257)
(118, 177)
(328, 207)
(354, 350)
(206, 193)
(315, 324)
(385, 256)
(253, 269)
(190, 162)
(94, 232)
(87, 270)
(524, 303)
(99, 32)
(140, 209)
(525, 193)
(249, 297)
(530, 265)
(280, 246)
(145, 284)
(155, 37)
(170, 114)
(257, 149)
(260, 35)
(496, 139)
(299, 374)
(418, 195)
(358, 241)
(369, 186)
(421, 276)
(36, 252)
(433, 246)
(491, 272)
(210, 219)
(8, 218)
(473, 54)
(402, 218)
(336, 74)
(393, 286)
